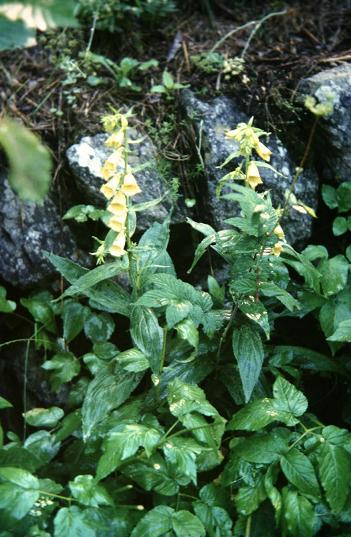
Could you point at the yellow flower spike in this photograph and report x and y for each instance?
(277, 249)
(109, 188)
(118, 204)
(130, 187)
(279, 232)
(263, 151)
(253, 177)
(117, 222)
(117, 248)
(115, 140)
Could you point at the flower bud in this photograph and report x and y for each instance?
(278, 231)
(277, 249)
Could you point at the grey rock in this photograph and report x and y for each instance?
(334, 146)
(86, 159)
(213, 118)
(26, 229)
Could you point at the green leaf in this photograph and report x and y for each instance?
(299, 471)
(334, 274)
(329, 196)
(147, 335)
(73, 315)
(181, 454)
(343, 195)
(288, 401)
(167, 80)
(42, 14)
(248, 351)
(30, 162)
(99, 327)
(253, 416)
(72, 522)
(154, 474)
(342, 333)
(335, 474)
(18, 491)
(271, 290)
(88, 492)
(249, 498)
(106, 295)
(81, 213)
(263, 449)
(109, 389)
(4, 403)
(123, 444)
(156, 522)
(187, 330)
(133, 360)
(188, 403)
(64, 367)
(44, 417)
(298, 513)
(93, 277)
(40, 308)
(215, 519)
(185, 524)
(6, 306)
(15, 34)
(339, 226)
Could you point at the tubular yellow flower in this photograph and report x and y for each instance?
(277, 249)
(130, 187)
(117, 222)
(114, 161)
(109, 188)
(263, 151)
(117, 248)
(115, 140)
(278, 231)
(118, 204)
(253, 177)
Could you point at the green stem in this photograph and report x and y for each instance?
(248, 527)
(305, 433)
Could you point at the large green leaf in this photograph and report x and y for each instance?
(263, 449)
(64, 367)
(298, 513)
(185, 524)
(44, 417)
(334, 273)
(162, 519)
(335, 473)
(14, 34)
(108, 390)
(156, 522)
(188, 403)
(72, 522)
(342, 332)
(253, 416)
(248, 351)
(147, 335)
(85, 489)
(299, 471)
(73, 316)
(121, 445)
(288, 401)
(19, 490)
(30, 162)
(105, 295)
(43, 14)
